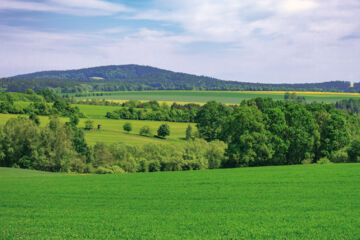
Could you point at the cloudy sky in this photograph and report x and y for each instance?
(245, 40)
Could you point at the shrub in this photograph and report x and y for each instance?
(89, 125)
(163, 131)
(215, 154)
(323, 160)
(307, 161)
(340, 156)
(117, 169)
(89, 168)
(103, 170)
(145, 131)
(154, 166)
(127, 127)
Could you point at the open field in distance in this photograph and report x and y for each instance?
(231, 97)
(287, 202)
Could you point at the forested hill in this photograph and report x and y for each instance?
(136, 77)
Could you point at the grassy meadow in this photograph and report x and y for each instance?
(287, 202)
(230, 97)
(112, 130)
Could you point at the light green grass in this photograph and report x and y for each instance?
(95, 111)
(112, 130)
(220, 96)
(290, 202)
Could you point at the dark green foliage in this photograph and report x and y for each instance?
(210, 119)
(350, 105)
(89, 124)
(135, 77)
(354, 151)
(248, 140)
(292, 97)
(74, 120)
(35, 118)
(189, 133)
(39, 105)
(80, 145)
(26, 145)
(153, 111)
(127, 127)
(163, 131)
(267, 132)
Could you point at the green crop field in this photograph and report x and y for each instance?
(220, 96)
(288, 202)
(112, 130)
(95, 111)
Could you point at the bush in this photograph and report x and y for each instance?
(145, 131)
(154, 166)
(127, 127)
(103, 170)
(117, 169)
(323, 160)
(163, 131)
(89, 168)
(340, 156)
(89, 125)
(307, 161)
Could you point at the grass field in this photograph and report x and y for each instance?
(96, 111)
(220, 96)
(112, 130)
(289, 202)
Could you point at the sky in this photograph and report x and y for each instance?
(268, 41)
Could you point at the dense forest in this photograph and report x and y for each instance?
(138, 78)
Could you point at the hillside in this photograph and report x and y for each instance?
(136, 77)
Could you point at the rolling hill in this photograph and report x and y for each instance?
(136, 77)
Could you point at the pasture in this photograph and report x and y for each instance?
(230, 97)
(112, 130)
(286, 202)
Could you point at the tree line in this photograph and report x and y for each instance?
(152, 110)
(262, 132)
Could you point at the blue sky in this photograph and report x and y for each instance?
(270, 41)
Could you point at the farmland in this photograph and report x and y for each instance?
(112, 130)
(230, 97)
(302, 202)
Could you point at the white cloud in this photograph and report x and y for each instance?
(72, 7)
(258, 41)
(293, 6)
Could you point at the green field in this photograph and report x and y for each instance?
(220, 96)
(95, 111)
(289, 202)
(112, 130)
